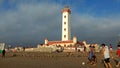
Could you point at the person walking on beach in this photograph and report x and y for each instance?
(91, 55)
(106, 55)
(118, 53)
(3, 53)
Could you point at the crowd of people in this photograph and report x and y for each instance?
(106, 55)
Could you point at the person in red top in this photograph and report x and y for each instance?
(118, 53)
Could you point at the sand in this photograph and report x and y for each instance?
(48, 60)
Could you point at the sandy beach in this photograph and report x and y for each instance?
(48, 60)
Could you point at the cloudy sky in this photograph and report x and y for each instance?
(29, 22)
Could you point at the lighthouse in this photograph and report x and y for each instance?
(66, 40)
(66, 33)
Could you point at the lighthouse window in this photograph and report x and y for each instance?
(64, 22)
(64, 36)
(64, 16)
(64, 29)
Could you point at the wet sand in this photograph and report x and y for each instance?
(48, 60)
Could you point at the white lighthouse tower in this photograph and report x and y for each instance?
(66, 33)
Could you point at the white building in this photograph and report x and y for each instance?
(66, 32)
(66, 40)
(67, 43)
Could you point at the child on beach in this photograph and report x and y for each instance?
(106, 54)
(91, 55)
(118, 53)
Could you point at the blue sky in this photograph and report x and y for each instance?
(29, 22)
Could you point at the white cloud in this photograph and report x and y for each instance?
(36, 21)
(99, 29)
(29, 21)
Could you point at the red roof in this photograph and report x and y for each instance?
(66, 9)
(59, 42)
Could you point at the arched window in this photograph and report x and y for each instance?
(64, 36)
(65, 23)
(65, 16)
(64, 29)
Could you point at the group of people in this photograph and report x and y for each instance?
(105, 55)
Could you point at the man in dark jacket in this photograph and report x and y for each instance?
(3, 53)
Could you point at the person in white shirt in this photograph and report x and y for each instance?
(106, 55)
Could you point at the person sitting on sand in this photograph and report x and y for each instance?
(106, 54)
(118, 53)
(91, 55)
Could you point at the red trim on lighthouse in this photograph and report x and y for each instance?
(66, 9)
